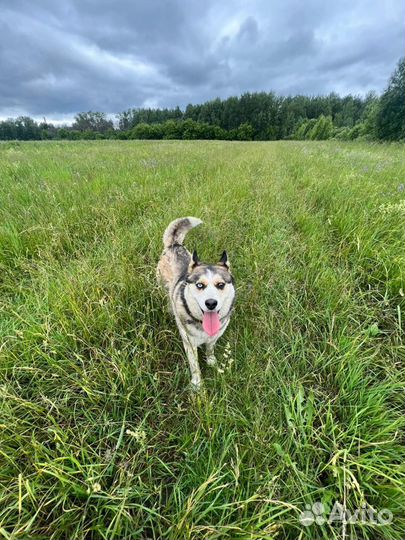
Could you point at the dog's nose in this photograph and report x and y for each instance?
(211, 303)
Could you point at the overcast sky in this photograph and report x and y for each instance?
(58, 57)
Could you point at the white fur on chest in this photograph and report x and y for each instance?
(199, 337)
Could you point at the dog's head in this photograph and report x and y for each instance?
(210, 292)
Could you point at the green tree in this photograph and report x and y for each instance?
(191, 129)
(146, 131)
(322, 130)
(8, 130)
(92, 121)
(27, 129)
(390, 121)
(343, 133)
(369, 119)
(172, 129)
(304, 129)
(63, 133)
(245, 132)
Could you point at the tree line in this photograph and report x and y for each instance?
(252, 116)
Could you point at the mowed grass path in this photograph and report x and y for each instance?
(100, 436)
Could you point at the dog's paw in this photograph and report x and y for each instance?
(211, 360)
(196, 385)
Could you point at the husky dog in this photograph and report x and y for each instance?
(201, 295)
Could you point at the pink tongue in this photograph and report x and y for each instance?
(211, 323)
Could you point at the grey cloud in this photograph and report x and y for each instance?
(249, 30)
(58, 58)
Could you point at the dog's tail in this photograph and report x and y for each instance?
(177, 230)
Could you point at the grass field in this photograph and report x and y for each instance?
(100, 436)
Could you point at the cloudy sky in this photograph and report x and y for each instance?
(61, 57)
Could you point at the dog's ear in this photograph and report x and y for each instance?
(224, 260)
(195, 261)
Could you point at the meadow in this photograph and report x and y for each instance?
(100, 436)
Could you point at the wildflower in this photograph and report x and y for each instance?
(94, 488)
(392, 208)
(227, 351)
(138, 434)
(228, 360)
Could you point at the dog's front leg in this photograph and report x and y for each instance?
(192, 356)
(210, 356)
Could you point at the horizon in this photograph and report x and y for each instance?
(61, 122)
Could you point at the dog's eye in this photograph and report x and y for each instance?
(220, 285)
(200, 286)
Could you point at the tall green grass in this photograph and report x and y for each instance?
(100, 437)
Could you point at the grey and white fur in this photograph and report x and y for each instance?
(201, 295)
